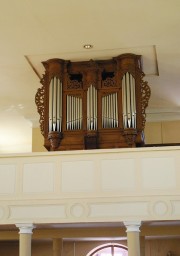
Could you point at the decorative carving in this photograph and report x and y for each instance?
(74, 81)
(39, 100)
(55, 139)
(109, 82)
(130, 136)
(74, 84)
(145, 96)
(108, 79)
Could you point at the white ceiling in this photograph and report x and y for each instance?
(38, 29)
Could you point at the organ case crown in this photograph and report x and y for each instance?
(93, 104)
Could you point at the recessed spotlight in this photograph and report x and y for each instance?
(88, 46)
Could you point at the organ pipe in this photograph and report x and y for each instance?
(116, 109)
(74, 113)
(55, 105)
(92, 108)
(110, 111)
(129, 101)
(50, 106)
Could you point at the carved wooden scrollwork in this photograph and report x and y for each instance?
(145, 96)
(74, 84)
(74, 81)
(55, 139)
(130, 136)
(109, 82)
(39, 100)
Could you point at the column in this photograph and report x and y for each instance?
(57, 246)
(132, 229)
(25, 233)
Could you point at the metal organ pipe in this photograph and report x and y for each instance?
(110, 111)
(116, 107)
(77, 118)
(73, 110)
(88, 118)
(129, 101)
(58, 109)
(61, 110)
(124, 102)
(96, 100)
(95, 108)
(70, 111)
(92, 108)
(134, 101)
(71, 119)
(106, 112)
(67, 113)
(102, 111)
(74, 113)
(50, 105)
(55, 105)
(80, 113)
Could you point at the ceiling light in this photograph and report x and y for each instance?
(88, 46)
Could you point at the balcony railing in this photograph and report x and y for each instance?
(91, 186)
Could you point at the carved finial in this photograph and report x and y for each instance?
(130, 136)
(55, 139)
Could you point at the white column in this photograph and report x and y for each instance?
(57, 246)
(133, 241)
(25, 233)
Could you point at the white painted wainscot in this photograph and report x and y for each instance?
(90, 186)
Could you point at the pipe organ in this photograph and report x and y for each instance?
(93, 104)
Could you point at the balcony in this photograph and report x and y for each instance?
(138, 184)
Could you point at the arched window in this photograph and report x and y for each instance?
(110, 249)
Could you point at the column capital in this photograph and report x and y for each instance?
(25, 228)
(132, 226)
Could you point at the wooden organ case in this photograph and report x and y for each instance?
(93, 104)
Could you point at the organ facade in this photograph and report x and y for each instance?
(93, 104)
